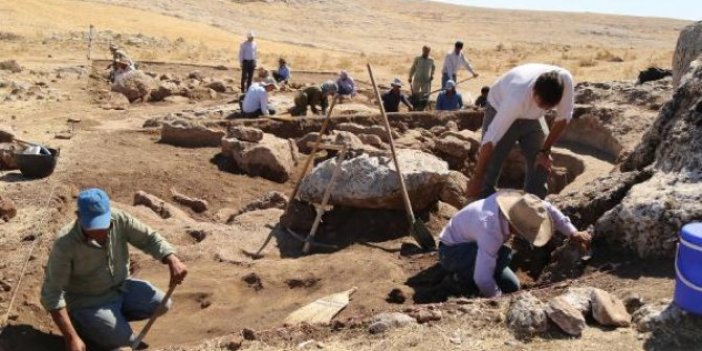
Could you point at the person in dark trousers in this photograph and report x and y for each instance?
(514, 113)
(472, 245)
(247, 59)
(392, 98)
(481, 101)
(449, 99)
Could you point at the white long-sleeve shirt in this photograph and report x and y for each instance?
(247, 51)
(256, 98)
(453, 62)
(512, 96)
(482, 222)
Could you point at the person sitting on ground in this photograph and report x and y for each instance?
(314, 96)
(481, 101)
(87, 287)
(515, 110)
(392, 98)
(449, 99)
(283, 72)
(347, 87)
(121, 67)
(421, 73)
(255, 103)
(471, 246)
(119, 57)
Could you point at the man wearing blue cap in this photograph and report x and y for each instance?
(87, 288)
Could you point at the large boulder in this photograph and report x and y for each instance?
(454, 190)
(651, 214)
(271, 157)
(134, 85)
(372, 181)
(190, 134)
(689, 47)
(164, 90)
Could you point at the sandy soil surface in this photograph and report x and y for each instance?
(110, 149)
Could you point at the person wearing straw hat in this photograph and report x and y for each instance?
(392, 98)
(255, 101)
(472, 246)
(449, 99)
(247, 61)
(87, 286)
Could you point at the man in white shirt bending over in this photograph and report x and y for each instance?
(472, 246)
(247, 59)
(255, 102)
(453, 62)
(514, 113)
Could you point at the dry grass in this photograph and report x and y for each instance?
(498, 40)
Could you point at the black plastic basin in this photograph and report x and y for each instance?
(37, 166)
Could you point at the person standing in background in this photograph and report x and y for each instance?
(247, 59)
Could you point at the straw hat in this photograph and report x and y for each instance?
(527, 214)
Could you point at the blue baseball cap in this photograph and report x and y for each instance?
(94, 209)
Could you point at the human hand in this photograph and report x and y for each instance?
(410, 80)
(544, 160)
(177, 268)
(583, 238)
(75, 344)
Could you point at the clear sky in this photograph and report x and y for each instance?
(682, 9)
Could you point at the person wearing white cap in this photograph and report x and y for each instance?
(449, 99)
(471, 246)
(247, 59)
(392, 98)
(255, 102)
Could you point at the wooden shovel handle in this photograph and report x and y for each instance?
(315, 148)
(153, 318)
(403, 187)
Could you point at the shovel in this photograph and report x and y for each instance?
(419, 232)
(152, 320)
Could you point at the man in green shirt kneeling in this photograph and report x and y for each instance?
(87, 287)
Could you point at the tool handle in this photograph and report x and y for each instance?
(308, 162)
(442, 88)
(153, 318)
(403, 187)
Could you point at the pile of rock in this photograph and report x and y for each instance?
(527, 315)
(152, 87)
(260, 154)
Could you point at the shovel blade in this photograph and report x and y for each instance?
(421, 234)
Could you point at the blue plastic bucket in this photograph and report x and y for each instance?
(688, 269)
